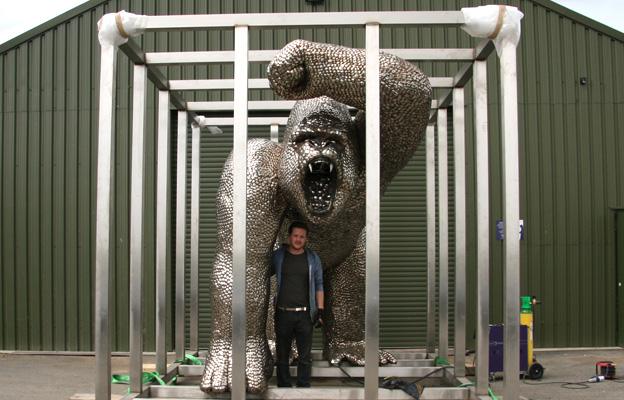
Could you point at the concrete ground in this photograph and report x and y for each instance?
(61, 377)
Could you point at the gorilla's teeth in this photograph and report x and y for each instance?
(310, 167)
(331, 168)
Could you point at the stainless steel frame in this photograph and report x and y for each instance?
(431, 239)
(105, 179)
(180, 231)
(443, 233)
(162, 229)
(483, 225)
(239, 221)
(194, 295)
(241, 57)
(371, 371)
(139, 98)
(459, 148)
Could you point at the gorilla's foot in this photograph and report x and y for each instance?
(218, 370)
(353, 352)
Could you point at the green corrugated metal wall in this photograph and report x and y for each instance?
(569, 174)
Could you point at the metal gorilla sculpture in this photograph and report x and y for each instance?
(317, 174)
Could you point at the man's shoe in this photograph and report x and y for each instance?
(303, 385)
(288, 385)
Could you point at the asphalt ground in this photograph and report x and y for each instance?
(56, 377)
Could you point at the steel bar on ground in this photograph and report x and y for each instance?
(275, 133)
(139, 98)
(431, 240)
(162, 229)
(511, 213)
(483, 223)
(239, 234)
(194, 295)
(180, 236)
(459, 149)
(443, 232)
(371, 370)
(202, 21)
(104, 206)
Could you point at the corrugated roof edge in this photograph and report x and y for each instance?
(38, 30)
(573, 15)
(26, 36)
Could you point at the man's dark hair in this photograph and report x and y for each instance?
(297, 224)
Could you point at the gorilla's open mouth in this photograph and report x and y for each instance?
(320, 184)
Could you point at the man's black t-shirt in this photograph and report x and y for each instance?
(295, 286)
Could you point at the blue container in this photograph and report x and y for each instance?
(497, 348)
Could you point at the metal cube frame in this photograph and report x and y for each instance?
(474, 68)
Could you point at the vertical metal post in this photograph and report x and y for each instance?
(194, 323)
(104, 207)
(483, 224)
(275, 133)
(239, 220)
(511, 212)
(180, 237)
(371, 368)
(443, 232)
(431, 240)
(162, 229)
(459, 148)
(139, 98)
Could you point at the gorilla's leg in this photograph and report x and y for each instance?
(264, 216)
(345, 299)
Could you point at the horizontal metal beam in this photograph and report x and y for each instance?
(279, 105)
(267, 105)
(252, 121)
(325, 392)
(203, 57)
(170, 22)
(220, 84)
(333, 372)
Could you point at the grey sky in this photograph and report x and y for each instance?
(22, 15)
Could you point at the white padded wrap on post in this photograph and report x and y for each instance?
(115, 28)
(202, 123)
(499, 23)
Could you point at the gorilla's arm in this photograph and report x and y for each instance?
(305, 70)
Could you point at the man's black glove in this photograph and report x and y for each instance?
(318, 318)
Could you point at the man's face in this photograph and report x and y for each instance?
(297, 238)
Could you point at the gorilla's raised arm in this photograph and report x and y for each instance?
(305, 70)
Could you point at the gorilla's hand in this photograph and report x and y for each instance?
(287, 71)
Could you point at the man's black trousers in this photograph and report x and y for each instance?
(289, 325)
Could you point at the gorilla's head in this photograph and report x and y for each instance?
(321, 163)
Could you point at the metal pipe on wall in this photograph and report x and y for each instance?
(371, 369)
(139, 101)
(239, 220)
(443, 232)
(104, 207)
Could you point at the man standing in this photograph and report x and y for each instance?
(299, 304)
